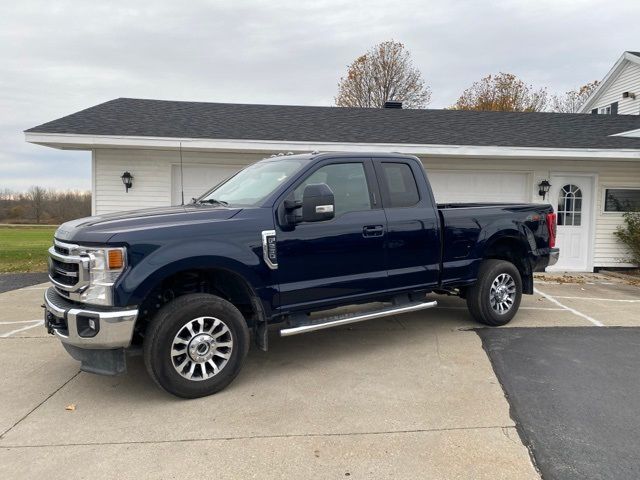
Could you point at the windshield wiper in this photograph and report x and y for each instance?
(213, 201)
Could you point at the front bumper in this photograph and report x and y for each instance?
(70, 323)
(554, 255)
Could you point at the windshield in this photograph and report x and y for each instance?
(249, 187)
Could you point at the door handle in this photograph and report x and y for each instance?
(373, 231)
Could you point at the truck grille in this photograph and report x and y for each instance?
(60, 249)
(65, 273)
(68, 270)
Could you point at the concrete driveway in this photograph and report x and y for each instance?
(411, 396)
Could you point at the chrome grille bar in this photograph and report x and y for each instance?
(74, 279)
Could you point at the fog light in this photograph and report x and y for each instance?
(87, 327)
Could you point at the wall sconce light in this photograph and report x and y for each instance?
(543, 188)
(127, 179)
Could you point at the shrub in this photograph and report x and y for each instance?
(629, 234)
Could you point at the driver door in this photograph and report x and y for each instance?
(341, 258)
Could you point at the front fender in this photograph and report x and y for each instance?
(173, 258)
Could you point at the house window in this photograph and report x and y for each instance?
(621, 199)
(609, 109)
(570, 206)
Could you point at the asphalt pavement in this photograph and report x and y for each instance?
(13, 281)
(575, 396)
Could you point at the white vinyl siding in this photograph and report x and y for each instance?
(152, 172)
(627, 81)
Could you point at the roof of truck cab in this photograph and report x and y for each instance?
(130, 117)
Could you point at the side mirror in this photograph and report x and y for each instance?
(318, 203)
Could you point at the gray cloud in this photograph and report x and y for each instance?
(59, 57)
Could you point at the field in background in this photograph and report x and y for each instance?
(24, 248)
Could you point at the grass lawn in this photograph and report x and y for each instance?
(24, 249)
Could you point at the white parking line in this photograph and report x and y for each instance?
(541, 308)
(5, 335)
(19, 321)
(572, 310)
(601, 299)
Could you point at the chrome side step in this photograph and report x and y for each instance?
(337, 320)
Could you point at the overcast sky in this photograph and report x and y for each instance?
(58, 57)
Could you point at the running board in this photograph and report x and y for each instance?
(337, 320)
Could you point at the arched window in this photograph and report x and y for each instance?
(570, 206)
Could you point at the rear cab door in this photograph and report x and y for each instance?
(413, 245)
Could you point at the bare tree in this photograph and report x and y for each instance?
(384, 73)
(69, 204)
(43, 206)
(502, 92)
(37, 196)
(6, 194)
(574, 99)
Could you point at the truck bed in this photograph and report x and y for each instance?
(469, 231)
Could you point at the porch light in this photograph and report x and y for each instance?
(127, 179)
(543, 188)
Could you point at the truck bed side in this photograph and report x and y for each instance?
(472, 232)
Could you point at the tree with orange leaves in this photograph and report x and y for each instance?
(503, 92)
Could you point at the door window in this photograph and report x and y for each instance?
(348, 183)
(570, 206)
(401, 185)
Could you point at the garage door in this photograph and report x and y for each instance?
(455, 186)
(197, 180)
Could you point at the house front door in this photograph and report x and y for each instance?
(572, 199)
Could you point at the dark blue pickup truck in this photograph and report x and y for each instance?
(274, 247)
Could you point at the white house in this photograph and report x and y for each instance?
(591, 161)
(619, 91)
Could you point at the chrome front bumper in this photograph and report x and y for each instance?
(68, 321)
(554, 255)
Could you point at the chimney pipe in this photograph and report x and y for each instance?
(392, 104)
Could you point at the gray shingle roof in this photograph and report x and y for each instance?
(160, 118)
(637, 54)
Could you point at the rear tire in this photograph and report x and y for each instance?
(195, 345)
(495, 297)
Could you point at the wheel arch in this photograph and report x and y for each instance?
(513, 247)
(202, 275)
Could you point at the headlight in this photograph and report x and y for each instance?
(105, 266)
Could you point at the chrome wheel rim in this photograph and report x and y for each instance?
(502, 294)
(201, 348)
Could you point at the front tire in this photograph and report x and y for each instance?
(495, 297)
(195, 345)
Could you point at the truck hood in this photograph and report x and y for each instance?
(101, 228)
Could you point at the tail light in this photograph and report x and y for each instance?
(552, 225)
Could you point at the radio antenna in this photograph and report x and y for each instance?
(181, 175)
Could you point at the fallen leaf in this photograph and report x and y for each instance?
(71, 407)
